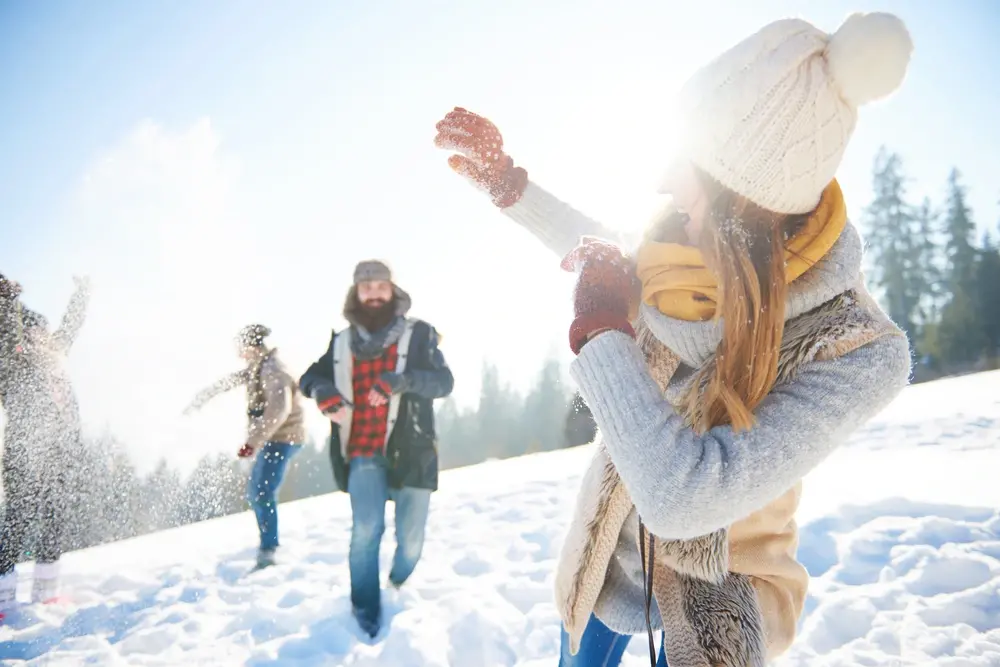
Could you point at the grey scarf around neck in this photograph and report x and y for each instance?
(368, 345)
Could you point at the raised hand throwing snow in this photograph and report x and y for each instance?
(603, 290)
(481, 157)
(82, 283)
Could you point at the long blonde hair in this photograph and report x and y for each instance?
(744, 246)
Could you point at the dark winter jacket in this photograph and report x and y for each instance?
(35, 389)
(411, 448)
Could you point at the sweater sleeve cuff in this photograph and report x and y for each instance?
(554, 222)
(613, 379)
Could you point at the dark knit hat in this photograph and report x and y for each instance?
(32, 319)
(253, 335)
(9, 289)
(371, 270)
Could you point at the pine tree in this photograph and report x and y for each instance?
(86, 483)
(896, 245)
(458, 435)
(545, 410)
(161, 494)
(208, 491)
(927, 280)
(446, 420)
(927, 274)
(500, 417)
(960, 231)
(125, 498)
(988, 292)
(962, 334)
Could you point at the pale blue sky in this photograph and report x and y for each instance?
(214, 163)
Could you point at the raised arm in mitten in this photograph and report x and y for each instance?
(75, 314)
(480, 157)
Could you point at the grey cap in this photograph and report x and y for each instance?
(370, 270)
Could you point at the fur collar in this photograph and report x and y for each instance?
(710, 615)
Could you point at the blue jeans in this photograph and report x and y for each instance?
(262, 488)
(600, 647)
(368, 486)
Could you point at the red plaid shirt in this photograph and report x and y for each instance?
(369, 424)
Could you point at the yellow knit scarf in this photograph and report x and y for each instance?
(676, 281)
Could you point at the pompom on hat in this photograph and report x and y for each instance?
(771, 117)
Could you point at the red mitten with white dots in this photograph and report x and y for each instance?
(481, 158)
(603, 290)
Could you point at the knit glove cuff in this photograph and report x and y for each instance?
(586, 324)
(603, 292)
(389, 384)
(328, 400)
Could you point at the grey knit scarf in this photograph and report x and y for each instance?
(368, 345)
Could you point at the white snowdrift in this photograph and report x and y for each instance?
(900, 532)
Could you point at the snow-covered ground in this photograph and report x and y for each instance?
(900, 530)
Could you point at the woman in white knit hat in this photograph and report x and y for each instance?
(726, 356)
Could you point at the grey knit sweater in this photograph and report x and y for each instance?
(685, 485)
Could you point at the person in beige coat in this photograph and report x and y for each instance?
(275, 432)
(723, 358)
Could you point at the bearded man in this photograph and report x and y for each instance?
(377, 383)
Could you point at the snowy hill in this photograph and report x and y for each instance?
(907, 574)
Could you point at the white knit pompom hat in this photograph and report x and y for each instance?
(770, 118)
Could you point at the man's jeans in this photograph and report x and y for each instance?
(600, 646)
(262, 488)
(369, 489)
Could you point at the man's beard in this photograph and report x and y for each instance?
(376, 314)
